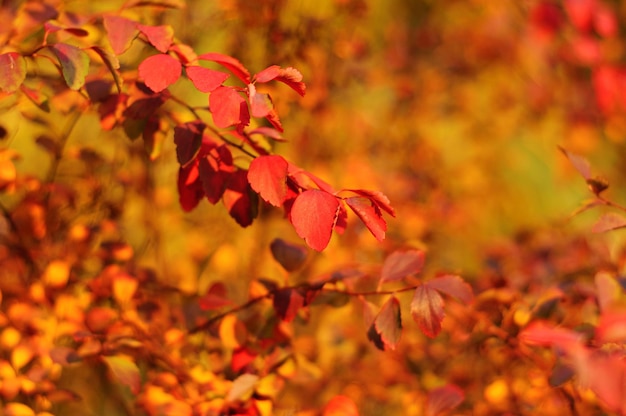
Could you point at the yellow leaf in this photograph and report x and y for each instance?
(124, 288)
(232, 332)
(56, 274)
(21, 355)
(9, 338)
(18, 409)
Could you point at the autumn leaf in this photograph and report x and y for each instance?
(611, 327)
(401, 264)
(290, 256)
(12, 71)
(290, 76)
(287, 302)
(232, 64)
(608, 289)
(313, 216)
(443, 399)
(608, 222)
(242, 387)
(160, 37)
(190, 191)
(228, 108)
(427, 310)
(377, 198)
(267, 175)
(215, 172)
(544, 334)
(386, 330)
(340, 406)
(74, 64)
(580, 163)
(188, 139)
(239, 199)
(454, 286)
(159, 71)
(125, 371)
(215, 298)
(204, 79)
(112, 64)
(120, 32)
(370, 215)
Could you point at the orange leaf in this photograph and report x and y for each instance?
(341, 406)
(125, 371)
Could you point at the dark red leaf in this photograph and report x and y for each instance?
(443, 399)
(228, 108)
(204, 79)
(214, 175)
(609, 221)
(239, 199)
(12, 71)
(74, 64)
(232, 64)
(370, 215)
(121, 32)
(289, 76)
(188, 138)
(142, 107)
(313, 215)
(159, 71)
(427, 310)
(190, 190)
(287, 302)
(401, 264)
(161, 37)
(386, 330)
(267, 175)
(290, 256)
(454, 286)
(215, 298)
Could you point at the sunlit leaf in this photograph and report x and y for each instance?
(290, 256)
(340, 406)
(580, 163)
(267, 176)
(125, 371)
(242, 388)
(386, 330)
(98, 319)
(609, 221)
(612, 326)
(74, 64)
(232, 64)
(427, 310)
(313, 216)
(608, 289)
(401, 264)
(289, 76)
(17, 409)
(228, 108)
(370, 215)
(159, 71)
(56, 274)
(377, 198)
(12, 71)
(544, 334)
(454, 286)
(120, 32)
(242, 357)
(124, 288)
(160, 37)
(443, 399)
(204, 79)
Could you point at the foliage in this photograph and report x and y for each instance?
(122, 292)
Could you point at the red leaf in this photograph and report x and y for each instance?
(188, 138)
(12, 71)
(161, 37)
(121, 32)
(386, 330)
(377, 198)
(215, 171)
(289, 76)
(204, 79)
(74, 64)
(370, 215)
(232, 64)
(287, 302)
(313, 215)
(215, 298)
(454, 286)
(612, 327)
(580, 163)
(242, 356)
(125, 371)
(580, 13)
(159, 71)
(340, 406)
(190, 190)
(443, 399)
(605, 21)
(401, 264)
(239, 199)
(609, 221)
(185, 53)
(228, 108)
(304, 179)
(268, 132)
(290, 256)
(427, 310)
(267, 176)
(545, 335)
